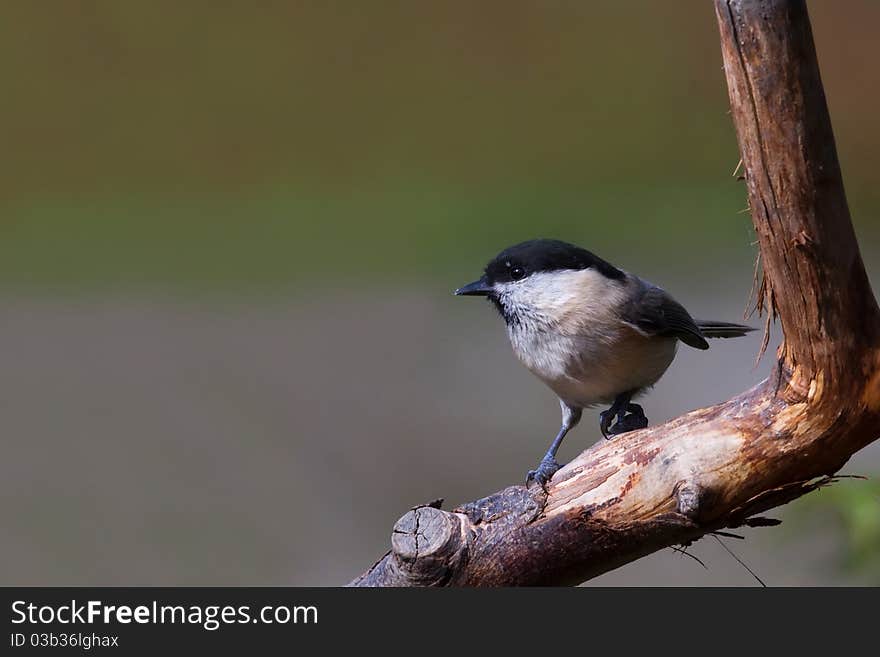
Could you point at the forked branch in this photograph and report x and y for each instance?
(719, 466)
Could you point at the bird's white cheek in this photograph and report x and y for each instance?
(563, 296)
(536, 296)
(510, 295)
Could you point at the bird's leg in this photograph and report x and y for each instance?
(607, 417)
(548, 465)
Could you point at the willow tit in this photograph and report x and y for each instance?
(593, 333)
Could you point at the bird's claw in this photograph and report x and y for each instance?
(630, 422)
(630, 419)
(605, 419)
(543, 473)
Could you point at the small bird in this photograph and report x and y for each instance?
(593, 333)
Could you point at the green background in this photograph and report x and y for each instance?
(229, 235)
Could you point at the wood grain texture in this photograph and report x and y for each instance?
(723, 465)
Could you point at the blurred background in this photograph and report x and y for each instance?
(230, 236)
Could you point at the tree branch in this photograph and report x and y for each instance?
(715, 467)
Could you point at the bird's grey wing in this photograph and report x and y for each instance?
(653, 312)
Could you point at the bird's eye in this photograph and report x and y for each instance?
(517, 273)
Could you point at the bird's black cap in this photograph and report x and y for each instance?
(545, 255)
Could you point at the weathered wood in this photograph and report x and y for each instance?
(719, 466)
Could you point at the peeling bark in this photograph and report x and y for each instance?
(719, 466)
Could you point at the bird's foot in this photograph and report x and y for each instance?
(605, 420)
(543, 473)
(631, 418)
(630, 422)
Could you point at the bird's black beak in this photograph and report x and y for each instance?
(479, 288)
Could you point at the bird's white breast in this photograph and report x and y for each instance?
(567, 331)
